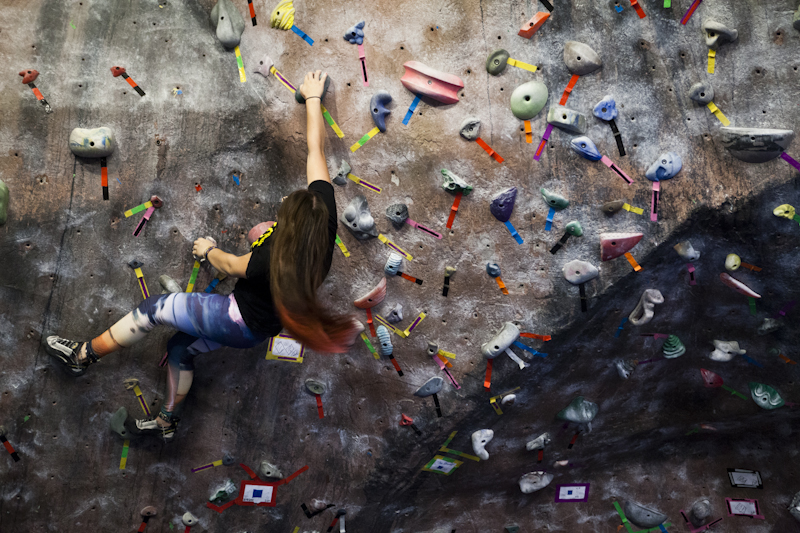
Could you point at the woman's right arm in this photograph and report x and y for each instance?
(312, 88)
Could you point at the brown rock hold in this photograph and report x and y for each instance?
(29, 76)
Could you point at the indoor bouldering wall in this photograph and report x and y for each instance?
(671, 428)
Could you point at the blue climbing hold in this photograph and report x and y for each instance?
(585, 147)
(665, 167)
(377, 106)
(355, 35)
(493, 269)
(606, 109)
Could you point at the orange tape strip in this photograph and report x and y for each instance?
(453, 209)
(489, 150)
(38, 93)
(571, 85)
(501, 285)
(786, 359)
(751, 267)
(528, 132)
(131, 82)
(535, 336)
(638, 8)
(104, 176)
(632, 261)
(409, 278)
(444, 360)
(370, 324)
(487, 382)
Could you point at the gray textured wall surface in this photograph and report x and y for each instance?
(65, 252)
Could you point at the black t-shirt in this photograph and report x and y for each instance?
(253, 293)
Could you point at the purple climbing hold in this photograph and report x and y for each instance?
(503, 204)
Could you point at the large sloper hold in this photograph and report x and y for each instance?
(470, 128)
(580, 411)
(642, 516)
(755, 145)
(613, 245)
(480, 439)
(425, 81)
(373, 297)
(580, 58)
(503, 204)
(432, 386)
(717, 33)
(539, 442)
(528, 99)
(665, 167)
(228, 23)
(502, 340)
(566, 119)
(357, 218)
(92, 142)
(577, 271)
(533, 481)
(612, 207)
(377, 106)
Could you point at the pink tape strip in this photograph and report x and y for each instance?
(654, 202)
(444, 368)
(691, 274)
(610, 164)
(429, 231)
(362, 58)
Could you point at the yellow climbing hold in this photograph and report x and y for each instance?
(283, 15)
(785, 211)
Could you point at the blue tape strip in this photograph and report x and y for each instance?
(513, 232)
(410, 111)
(752, 361)
(619, 329)
(212, 285)
(529, 349)
(618, 8)
(302, 34)
(661, 526)
(549, 224)
(236, 179)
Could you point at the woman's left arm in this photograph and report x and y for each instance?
(228, 264)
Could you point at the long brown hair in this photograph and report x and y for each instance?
(297, 268)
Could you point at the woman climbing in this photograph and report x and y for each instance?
(276, 289)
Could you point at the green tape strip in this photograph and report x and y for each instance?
(667, 3)
(623, 518)
(125, 452)
(192, 279)
(752, 302)
(363, 140)
(328, 118)
(239, 61)
(369, 344)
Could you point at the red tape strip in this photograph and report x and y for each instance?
(319, 406)
(454, 209)
(487, 382)
(38, 93)
(571, 85)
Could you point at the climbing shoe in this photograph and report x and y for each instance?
(66, 352)
(150, 426)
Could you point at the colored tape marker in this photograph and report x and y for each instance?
(218, 462)
(631, 209)
(302, 34)
(568, 90)
(618, 171)
(393, 246)
(142, 284)
(690, 11)
(654, 202)
(414, 324)
(320, 410)
(752, 303)
(124, 460)
(487, 381)
(9, 448)
(283, 80)
(139, 396)
(549, 222)
(528, 132)
(193, 278)
(638, 8)
(712, 54)
(718, 113)
(342, 247)
(104, 177)
(692, 280)
(364, 183)
(240, 64)
(454, 209)
(535, 336)
(489, 150)
(619, 328)
(789, 159)
(252, 11)
(632, 261)
(502, 285)
(529, 349)
(547, 131)
(411, 109)
(363, 140)
(424, 229)
(362, 59)
(370, 347)
(143, 222)
(400, 333)
(522, 65)
(513, 232)
(138, 209)
(332, 123)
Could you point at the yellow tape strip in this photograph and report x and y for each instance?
(364, 183)
(140, 275)
(240, 64)
(342, 247)
(717, 113)
(363, 140)
(711, 61)
(629, 207)
(495, 406)
(296, 529)
(124, 461)
(447, 354)
(523, 66)
(400, 333)
(195, 270)
(147, 205)
(277, 75)
(415, 323)
(332, 123)
(370, 346)
(394, 247)
(218, 462)
(138, 392)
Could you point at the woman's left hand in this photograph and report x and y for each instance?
(200, 246)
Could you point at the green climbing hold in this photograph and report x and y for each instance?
(528, 99)
(574, 228)
(454, 184)
(673, 347)
(496, 62)
(3, 203)
(554, 200)
(765, 396)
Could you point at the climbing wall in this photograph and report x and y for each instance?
(220, 145)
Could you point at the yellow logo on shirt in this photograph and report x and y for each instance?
(258, 242)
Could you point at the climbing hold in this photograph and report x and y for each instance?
(94, 142)
(567, 119)
(228, 22)
(454, 184)
(765, 396)
(580, 58)
(341, 175)
(717, 33)
(784, 211)
(794, 508)
(425, 81)
(189, 519)
(609, 208)
(528, 99)
(554, 200)
(624, 368)
(148, 511)
(641, 516)
(574, 228)
(29, 76)
(393, 263)
(398, 214)
(315, 387)
(119, 424)
(357, 218)
(355, 34)
(169, 285)
(373, 297)
(665, 167)
(737, 285)
(503, 204)
(493, 269)
(673, 347)
(480, 439)
(733, 262)
(724, 351)
(606, 109)
(686, 252)
(377, 106)
(533, 25)
(384, 341)
(4, 197)
(432, 386)
(396, 314)
(533, 481)
(579, 411)
(586, 148)
(222, 493)
(702, 93)
(282, 16)
(577, 271)
(712, 379)
(644, 310)
(497, 61)
(755, 145)
(300, 99)
(470, 128)
(265, 66)
(769, 325)
(616, 244)
(509, 399)
(539, 442)
(498, 344)
(700, 512)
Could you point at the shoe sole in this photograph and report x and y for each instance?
(65, 367)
